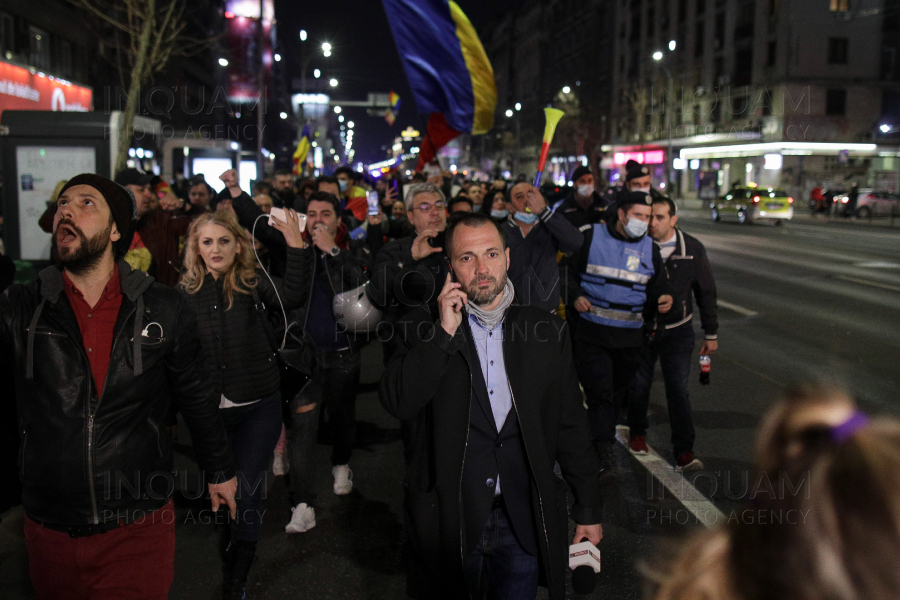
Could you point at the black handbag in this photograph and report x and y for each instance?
(300, 357)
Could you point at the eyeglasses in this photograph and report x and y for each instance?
(426, 208)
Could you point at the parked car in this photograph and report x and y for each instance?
(749, 204)
(872, 203)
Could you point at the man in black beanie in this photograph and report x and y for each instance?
(583, 206)
(99, 353)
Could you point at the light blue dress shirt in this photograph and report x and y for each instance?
(489, 344)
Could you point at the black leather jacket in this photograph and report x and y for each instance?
(85, 460)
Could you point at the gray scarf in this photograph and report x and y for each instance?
(490, 318)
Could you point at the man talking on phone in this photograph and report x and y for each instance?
(493, 390)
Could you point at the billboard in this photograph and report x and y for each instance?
(22, 89)
(242, 41)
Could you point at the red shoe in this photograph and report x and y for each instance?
(638, 445)
(687, 462)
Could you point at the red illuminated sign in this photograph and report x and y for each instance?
(649, 157)
(20, 89)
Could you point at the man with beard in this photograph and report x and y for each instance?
(493, 390)
(100, 351)
(283, 189)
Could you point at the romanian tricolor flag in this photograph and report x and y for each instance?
(447, 68)
(301, 151)
(394, 100)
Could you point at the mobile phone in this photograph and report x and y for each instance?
(282, 216)
(372, 201)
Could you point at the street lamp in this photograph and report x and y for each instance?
(283, 115)
(341, 119)
(566, 89)
(223, 62)
(277, 58)
(317, 73)
(885, 128)
(337, 110)
(657, 55)
(672, 45)
(326, 49)
(351, 124)
(518, 106)
(509, 112)
(302, 35)
(333, 82)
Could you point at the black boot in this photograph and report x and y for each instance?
(239, 558)
(607, 461)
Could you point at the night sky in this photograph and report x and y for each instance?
(364, 58)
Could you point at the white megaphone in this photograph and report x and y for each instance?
(354, 312)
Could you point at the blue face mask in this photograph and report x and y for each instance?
(525, 218)
(342, 183)
(500, 214)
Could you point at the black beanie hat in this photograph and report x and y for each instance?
(581, 172)
(121, 204)
(634, 170)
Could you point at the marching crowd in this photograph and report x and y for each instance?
(520, 333)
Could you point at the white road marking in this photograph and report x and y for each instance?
(883, 286)
(738, 309)
(878, 265)
(696, 503)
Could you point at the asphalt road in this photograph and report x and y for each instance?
(814, 300)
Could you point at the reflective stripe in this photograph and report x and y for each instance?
(617, 315)
(617, 274)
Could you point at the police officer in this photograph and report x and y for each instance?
(673, 342)
(583, 206)
(619, 283)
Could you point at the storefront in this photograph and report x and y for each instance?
(28, 89)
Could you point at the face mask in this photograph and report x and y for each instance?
(585, 190)
(525, 218)
(646, 190)
(342, 183)
(636, 228)
(500, 214)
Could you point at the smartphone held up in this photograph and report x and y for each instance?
(278, 213)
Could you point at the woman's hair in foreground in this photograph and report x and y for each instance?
(840, 475)
(241, 277)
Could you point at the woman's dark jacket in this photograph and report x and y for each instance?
(85, 459)
(429, 381)
(236, 345)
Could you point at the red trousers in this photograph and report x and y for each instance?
(136, 561)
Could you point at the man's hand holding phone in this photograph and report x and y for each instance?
(450, 304)
(421, 247)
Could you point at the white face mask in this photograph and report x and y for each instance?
(585, 190)
(646, 189)
(635, 228)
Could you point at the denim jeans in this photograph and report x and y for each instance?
(333, 385)
(675, 350)
(605, 374)
(499, 565)
(253, 431)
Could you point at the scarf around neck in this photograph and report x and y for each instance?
(490, 318)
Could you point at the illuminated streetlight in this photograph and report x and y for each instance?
(657, 55)
(566, 89)
(333, 82)
(223, 62)
(518, 106)
(317, 73)
(277, 58)
(302, 35)
(509, 112)
(326, 49)
(351, 124)
(337, 110)
(341, 119)
(885, 128)
(283, 115)
(672, 45)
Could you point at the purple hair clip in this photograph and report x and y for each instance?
(841, 433)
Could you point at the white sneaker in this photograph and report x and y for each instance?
(623, 434)
(303, 519)
(281, 466)
(343, 479)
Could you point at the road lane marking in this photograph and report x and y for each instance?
(878, 265)
(681, 489)
(738, 309)
(883, 286)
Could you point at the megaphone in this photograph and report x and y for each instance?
(354, 312)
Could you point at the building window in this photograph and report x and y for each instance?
(837, 51)
(39, 46)
(840, 5)
(835, 103)
(699, 34)
(773, 53)
(6, 34)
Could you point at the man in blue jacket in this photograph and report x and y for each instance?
(619, 283)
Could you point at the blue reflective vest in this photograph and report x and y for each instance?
(615, 279)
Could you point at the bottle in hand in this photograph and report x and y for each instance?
(705, 366)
